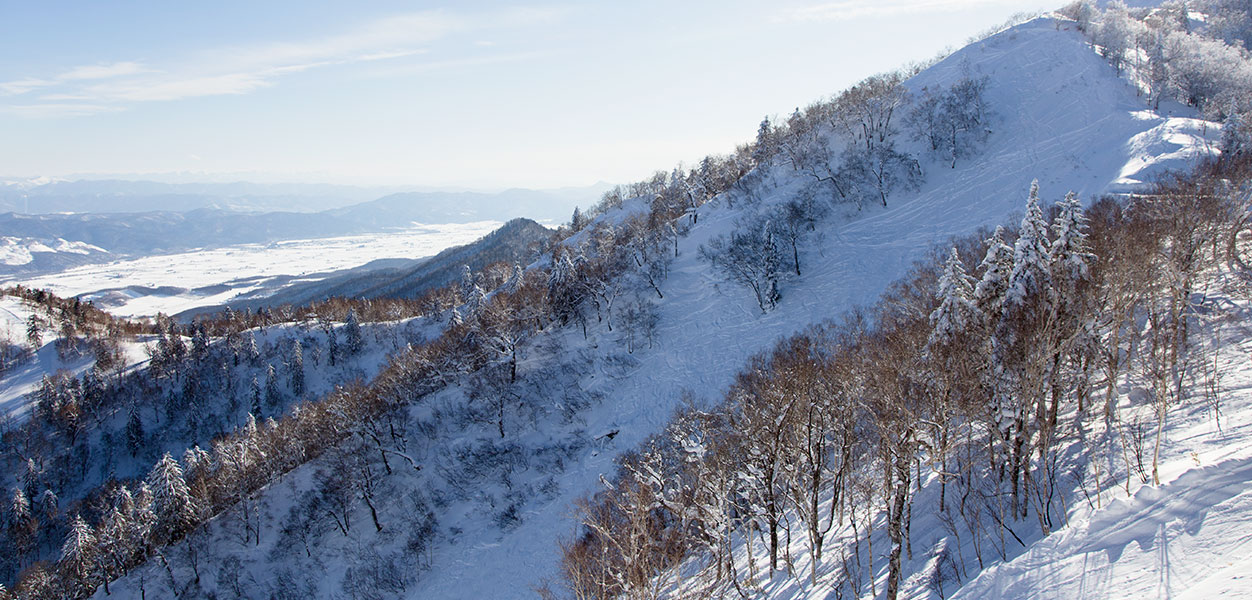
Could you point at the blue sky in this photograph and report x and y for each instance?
(473, 94)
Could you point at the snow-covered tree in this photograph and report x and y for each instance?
(1031, 274)
(295, 363)
(766, 145)
(34, 332)
(273, 391)
(49, 506)
(136, 441)
(750, 257)
(353, 342)
(996, 268)
(956, 312)
(1114, 34)
(175, 510)
(79, 560)
(1070, 253)
(22, 526)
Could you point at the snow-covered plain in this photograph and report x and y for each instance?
(178, 282)
(1063, 117)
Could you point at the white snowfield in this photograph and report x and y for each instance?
(1062, 116)
(178, 282)
(1188, 539)
(20, 251)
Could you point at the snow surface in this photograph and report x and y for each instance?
(24, 378)
(20, 251)
(174, 283)
(1063, 116)
(1189, 538)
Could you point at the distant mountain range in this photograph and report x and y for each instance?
(43, 195)
(204, 224)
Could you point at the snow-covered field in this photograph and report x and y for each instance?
(178, 282)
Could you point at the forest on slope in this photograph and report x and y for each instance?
(477, 437)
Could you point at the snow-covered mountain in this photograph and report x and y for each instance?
(460, 478)
(499, 506)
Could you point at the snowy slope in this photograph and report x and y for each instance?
(1063, 116)
(1189, 538)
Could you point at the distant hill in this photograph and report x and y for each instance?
(515, 241)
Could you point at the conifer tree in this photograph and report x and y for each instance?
(956, 312)
(135, 439)
(174, 509)
(273, 394)
(996, 267)
(79, 558)
(296, 364)
(353, 342)
(34, 332)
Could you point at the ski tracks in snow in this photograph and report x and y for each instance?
(1191, 533)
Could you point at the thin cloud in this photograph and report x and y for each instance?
(48, 110)
(242, 69)
(117, 69)
(79, 73)
(23, 86)
(845, 10)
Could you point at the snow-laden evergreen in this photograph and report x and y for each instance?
(956, 312)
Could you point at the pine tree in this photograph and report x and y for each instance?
(200, 343)
(996, 268)
(34, 332)
(332, 345)
(255, 405)
(1031, 275)
(353, 342)
(765, 143)
(22, 525)
(174, 508)
(135, 439)
(113, 543)
(49, 506)
(177, 347)
(253, 353)
(1070, 254)
(515, 280)
(956, 312)
(79, 558)
(273, 394)
(296, 364)
(467, 281)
